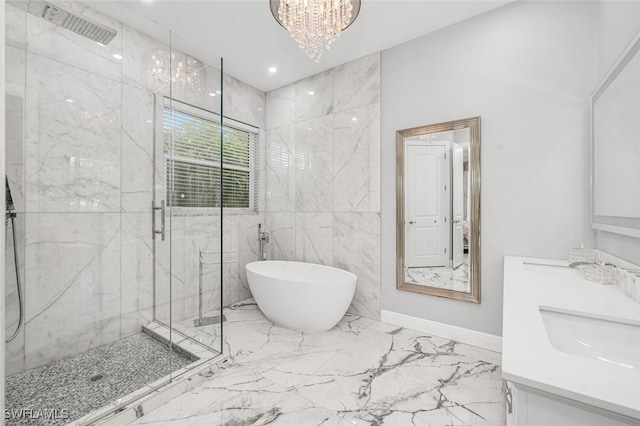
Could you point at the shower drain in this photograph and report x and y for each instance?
(97, 377)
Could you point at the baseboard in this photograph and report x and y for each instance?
(459, 334)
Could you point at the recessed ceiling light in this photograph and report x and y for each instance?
(149, 121)
(117, 56)
(69, 100)
(259, 109)
(354, 118)
(212, 94)
(312, 92)
(273, 69)
(309, 128)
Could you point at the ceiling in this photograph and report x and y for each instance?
(250, 40)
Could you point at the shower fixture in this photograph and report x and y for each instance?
(10, 215)
(263, 240)
(62, 18)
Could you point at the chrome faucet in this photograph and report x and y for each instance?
(263, 240)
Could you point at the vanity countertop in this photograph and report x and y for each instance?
(528, 357)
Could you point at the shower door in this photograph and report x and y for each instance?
(187, 210)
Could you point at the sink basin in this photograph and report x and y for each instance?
(545, 267)
(605, 339)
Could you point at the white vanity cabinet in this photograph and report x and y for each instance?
(529, 407)
(571, 352)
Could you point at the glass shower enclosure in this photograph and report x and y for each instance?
(115, 212)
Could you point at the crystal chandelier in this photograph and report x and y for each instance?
(315, 24)
(183, 71)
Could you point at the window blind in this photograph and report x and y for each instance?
(192, 146)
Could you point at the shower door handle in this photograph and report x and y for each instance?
(153, 219)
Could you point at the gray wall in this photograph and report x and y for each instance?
(618, 22)
(527, 69)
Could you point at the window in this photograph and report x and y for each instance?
(192, 159)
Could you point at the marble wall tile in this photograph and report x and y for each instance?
(170, 271)
(15, 23)
(215, 84)
(56, 43)
(14, 354)
(137, 150)
(351, 158)
(211, 291)
(281, 105)
(357, 83)
(243, 102)
(15, 71)
(314, 96)
(280, 169)
(140, 56)
(14, 148)
(356, 160)
(317, 242)
(201, 233)
(314, 165)
(73, 291)
(73, 153)
(14, 350)
(247, 228)
(282, 227)
(136, 272)
(239, 290)
(356, 243)
(299, 236)
(195, 88)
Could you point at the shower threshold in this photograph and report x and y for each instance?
(103, 382)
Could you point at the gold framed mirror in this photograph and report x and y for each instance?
(438, 209)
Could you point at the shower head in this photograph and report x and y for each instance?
(58, 16)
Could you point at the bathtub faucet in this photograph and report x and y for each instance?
(263, 240)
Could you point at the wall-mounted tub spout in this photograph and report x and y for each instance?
(263, 240)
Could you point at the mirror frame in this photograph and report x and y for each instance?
(473, 124)
(629, 226)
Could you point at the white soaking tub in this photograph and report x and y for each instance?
(301, 296)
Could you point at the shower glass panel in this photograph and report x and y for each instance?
(91, 132)
(188, 135)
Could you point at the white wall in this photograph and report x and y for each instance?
(527, 69)
(618, 22)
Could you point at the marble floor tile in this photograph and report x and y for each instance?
(361, 372)
(457, 279)
(240, 396)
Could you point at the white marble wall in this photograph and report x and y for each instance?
(323, 174)
(83, 173)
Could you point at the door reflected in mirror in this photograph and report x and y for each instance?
(438, 209)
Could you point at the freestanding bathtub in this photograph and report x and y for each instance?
(301, 296)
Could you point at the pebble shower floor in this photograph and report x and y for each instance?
(82, 383)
